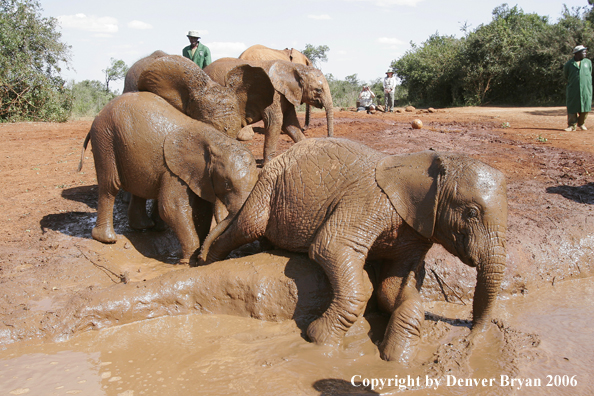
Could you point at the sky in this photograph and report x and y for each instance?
(364, 36)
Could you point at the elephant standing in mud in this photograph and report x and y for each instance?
(294, 84)
(345, 203)
(262, 53)
(187, 88)
(145, 146)
(131, 80)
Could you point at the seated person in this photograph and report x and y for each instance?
(366, 100)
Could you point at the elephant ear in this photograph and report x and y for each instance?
(411, 183)
(253, 90)
(188, 157)
(286, 80)
(173, 78)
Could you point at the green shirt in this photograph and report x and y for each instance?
(201, 56)
(579, 85)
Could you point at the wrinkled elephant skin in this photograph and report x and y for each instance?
(132, 75)
(343, 203)
(145, 146)
(294, 84)
(187, 88)
(262, 53)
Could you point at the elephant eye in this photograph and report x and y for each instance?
(472, 213)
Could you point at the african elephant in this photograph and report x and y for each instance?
(261, 53)
(344, 203)
(186, 87)
(294, 84)
(144, 145)
(131, 80)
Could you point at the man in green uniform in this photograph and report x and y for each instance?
(578, 72)
(196, 51)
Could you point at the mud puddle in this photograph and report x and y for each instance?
(543, 339)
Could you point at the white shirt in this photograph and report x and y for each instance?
(366, 98)
(389, 84)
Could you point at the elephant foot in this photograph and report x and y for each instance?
(159, 224)
(138, 219)
(140, 223)
(323, 331)
(103, 234)
(403, 333)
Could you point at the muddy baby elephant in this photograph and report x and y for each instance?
(145, 146)
(294, 84)
(345, 203)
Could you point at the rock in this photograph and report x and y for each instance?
(409, 109)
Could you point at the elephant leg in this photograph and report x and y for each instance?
(160, 225)
(178, 208)
(273, 123)
(399, 293)
(351, 287)
(103, 230)
(137, 216)
(247, 226)
(291, 125)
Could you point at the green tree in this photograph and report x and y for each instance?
(116, 71)
(496, 59)
(516, 59)
(89, 97)
(30, 57)
(316, 54)
(430, 72)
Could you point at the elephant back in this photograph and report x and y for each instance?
(131, 79)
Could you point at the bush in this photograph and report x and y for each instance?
(516, 59)
(31, 88)
(89, 97)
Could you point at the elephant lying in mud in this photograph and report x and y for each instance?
(145, 146)
(345, 203)
(294, 84)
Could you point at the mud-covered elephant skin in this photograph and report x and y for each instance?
(262, 53)
(294, 84)
(131, 79)
(345, 203)
(145, 146)
(186, 87)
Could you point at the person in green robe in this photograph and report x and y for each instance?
(196, 51)
(578, 73)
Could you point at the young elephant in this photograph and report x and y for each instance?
(145, 146)
(186, 87)
(294, 84)
(344, 203)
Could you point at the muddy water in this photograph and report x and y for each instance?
(546, 333)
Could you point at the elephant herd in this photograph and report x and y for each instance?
(171, 137)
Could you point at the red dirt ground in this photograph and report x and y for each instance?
(48, 208)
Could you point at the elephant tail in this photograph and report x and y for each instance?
(82, 154)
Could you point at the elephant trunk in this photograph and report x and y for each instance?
(329, 106)
(489, 276)
(307, 115)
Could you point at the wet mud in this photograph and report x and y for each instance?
(81, 317)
